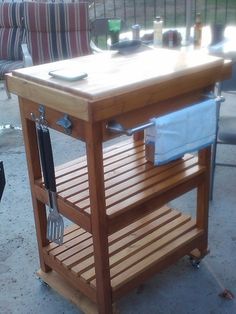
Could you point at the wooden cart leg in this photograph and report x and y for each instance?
(34, 170)
(99, 217)
(203, 199)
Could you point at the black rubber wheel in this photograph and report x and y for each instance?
(195, 262)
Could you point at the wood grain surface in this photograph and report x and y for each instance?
(116, 83)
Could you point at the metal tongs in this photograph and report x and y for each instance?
(55, 223)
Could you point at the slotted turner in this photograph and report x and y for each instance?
(55, 223)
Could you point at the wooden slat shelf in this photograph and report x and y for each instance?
(130, 181)
(132, 250)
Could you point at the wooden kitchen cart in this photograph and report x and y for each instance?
(122, 232)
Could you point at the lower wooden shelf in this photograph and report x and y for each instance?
(136, 251)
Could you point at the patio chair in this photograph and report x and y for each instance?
(226, 133)
(11, 34)
(56, 31)
(100, 31)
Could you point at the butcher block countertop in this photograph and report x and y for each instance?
(118, 83)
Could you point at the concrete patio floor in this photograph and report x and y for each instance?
(179, 289)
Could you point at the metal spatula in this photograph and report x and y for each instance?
(55, 224)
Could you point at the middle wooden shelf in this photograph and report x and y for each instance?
(132, 185)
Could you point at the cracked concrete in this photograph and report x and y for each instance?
(179, 289)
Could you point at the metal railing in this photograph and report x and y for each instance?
(173, 12)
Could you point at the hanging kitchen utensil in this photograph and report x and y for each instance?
(41, 152)
(2, 179)
(55, 224)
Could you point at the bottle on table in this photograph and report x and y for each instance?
(198, 31)
(157, 32)
(171, 39)
(136, 32)
(114, 27)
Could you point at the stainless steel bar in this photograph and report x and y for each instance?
(115, 127)
(118, 128)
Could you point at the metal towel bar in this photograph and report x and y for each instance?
(118, 128)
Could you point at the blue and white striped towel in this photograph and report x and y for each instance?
(183, 131)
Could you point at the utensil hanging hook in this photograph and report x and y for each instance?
(41, 120)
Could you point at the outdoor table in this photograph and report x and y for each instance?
(225, 48)
(122, 232)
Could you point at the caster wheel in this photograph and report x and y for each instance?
(43, 283)
(195, 262)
